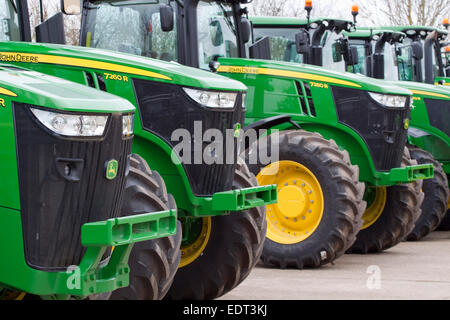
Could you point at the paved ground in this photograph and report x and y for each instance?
(411, 270)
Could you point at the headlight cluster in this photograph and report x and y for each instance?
(212, 99)
(388, 100)
(72, 124)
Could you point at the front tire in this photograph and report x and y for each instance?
(320, 203)
(153, 263)
(224, 252)
(390, 216)
(436, 192)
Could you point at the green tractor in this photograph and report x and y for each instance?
(71, 190)
(335, 132)
(182, 114)
(400, 53)
(360, 55)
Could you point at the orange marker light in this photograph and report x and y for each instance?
(445, 23)
(308, 4)
(355, 9)
(447, 49)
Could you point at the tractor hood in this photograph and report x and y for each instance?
(140, 67)
(35, 88)
(424, 89)
(308, 72)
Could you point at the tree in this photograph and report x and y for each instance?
(295, 8)
(404, 12)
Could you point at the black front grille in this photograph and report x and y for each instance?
(439, 114)
(63, 185)
(164, 108)
(382, 128)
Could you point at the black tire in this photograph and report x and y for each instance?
(233, 249)
(434, 206)
(153, 263)
(397, 220)
(445, 223)
(342, 192)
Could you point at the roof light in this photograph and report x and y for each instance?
(446, 23)
(308, 5)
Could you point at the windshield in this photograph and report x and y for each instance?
(9, 21)
(390, 63)
(361, 66)
(282, 43)
(405, 60)
(129, 27)
(329, 38)
(216, 32)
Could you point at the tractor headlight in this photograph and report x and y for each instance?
(212, 99)
(127, 124)
(72, 124)
(389, 100)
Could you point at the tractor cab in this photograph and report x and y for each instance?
(377, 51)
(419, 56)
(10, 29)
(156, 29)
(317, 41)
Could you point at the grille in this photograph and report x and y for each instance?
(54, 207)
(381, 128)
(164, 108)
(439, 114)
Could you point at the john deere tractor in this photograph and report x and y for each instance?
(71, 190)
(338, 131)
(387, 53)
(182, 116)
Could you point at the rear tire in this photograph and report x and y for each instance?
(434, 206)
(232, 248)
(400, 210)
(153, 263)
(318, 177)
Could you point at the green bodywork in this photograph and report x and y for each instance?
(273, 91)
(281, 96)
(72, 63)
(31, 87)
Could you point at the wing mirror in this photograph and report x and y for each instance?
(302, 42)
(353, 58)
(417, 50)
(166, 16)
(246, 30)
(71, 7)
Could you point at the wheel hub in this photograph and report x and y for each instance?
(300, 202)
(197, 233)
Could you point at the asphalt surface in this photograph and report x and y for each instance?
(410, 270)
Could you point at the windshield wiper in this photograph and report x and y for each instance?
(227, 18)
(13, 5)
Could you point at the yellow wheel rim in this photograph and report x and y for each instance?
(376, 207)
(13, 295)
(192, 251)
(300, 202)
